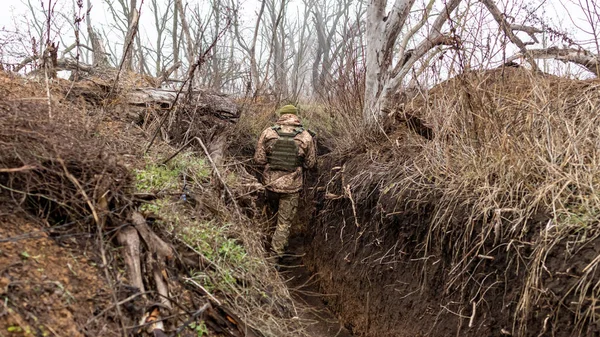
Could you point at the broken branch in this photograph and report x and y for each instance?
(581, 57)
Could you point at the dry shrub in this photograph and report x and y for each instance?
(52, 156)
(512, 172)
(254, 118)
(513, 150)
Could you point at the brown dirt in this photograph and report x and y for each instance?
(305, 289)
(383, 287)
(49, 280)
(46, 288)
(393, 276)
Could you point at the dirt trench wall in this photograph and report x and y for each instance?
(377, 287)
(389, 278)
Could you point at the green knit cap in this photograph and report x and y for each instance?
(288, 109)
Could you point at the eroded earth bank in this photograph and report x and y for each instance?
(484, 224)
(119, 216)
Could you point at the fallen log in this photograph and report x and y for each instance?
(153, 242)
(209, 103)
(128, 238)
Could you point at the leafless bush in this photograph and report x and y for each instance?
(41, 158)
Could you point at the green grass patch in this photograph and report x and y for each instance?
(185, 167)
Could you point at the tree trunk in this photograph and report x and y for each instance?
(99, 58)
(128, 43)
(253, 63)
(383, 80)
(375, 68)
(186, 31)
(175, 38)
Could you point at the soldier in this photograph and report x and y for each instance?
(285, 149)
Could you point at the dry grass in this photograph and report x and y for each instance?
(56, 150)
(100, 152)
(511, 148)
(236, 269)
(513, 170)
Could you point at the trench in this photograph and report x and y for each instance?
(305, 289)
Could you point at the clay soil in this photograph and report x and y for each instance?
(305, 289)
(48, 287)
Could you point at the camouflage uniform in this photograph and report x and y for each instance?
(286, 185)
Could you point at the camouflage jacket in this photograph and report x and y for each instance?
(283, 181)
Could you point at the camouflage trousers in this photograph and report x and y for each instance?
(288, 206)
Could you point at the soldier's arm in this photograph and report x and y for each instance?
(260, 156)
(310, 157)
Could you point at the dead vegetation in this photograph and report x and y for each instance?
(496, 215)
(192, 258)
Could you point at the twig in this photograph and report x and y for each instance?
(474, 311)
(177, 152)
(216, 169)
(203, 289)
(17, 169)
(347, 190)
(48, 96)
(99, 232)
(117, 304)
(191, 319)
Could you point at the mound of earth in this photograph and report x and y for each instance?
(48, 286)
(487, 227)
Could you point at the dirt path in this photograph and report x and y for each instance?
(304, 288)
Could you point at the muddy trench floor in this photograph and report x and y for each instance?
(305, 290)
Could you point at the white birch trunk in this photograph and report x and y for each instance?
(375, 44)
(383, 80)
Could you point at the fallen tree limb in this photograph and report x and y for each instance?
(61, 64)
(154, 243)
(581, 57)
(128, 238)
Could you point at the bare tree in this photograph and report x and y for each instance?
(327, 25)
(185, 27)
(99, 56)
(388, 60)
(277, 50)
(250, 48)
(299, 42)
(160, 23)
(133, 17)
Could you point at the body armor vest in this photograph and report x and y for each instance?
(284, 153)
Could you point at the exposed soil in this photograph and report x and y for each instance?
(47, 288)
(383, 285)
(370, 268)
(305, 289)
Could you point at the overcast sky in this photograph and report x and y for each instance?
(562, 15)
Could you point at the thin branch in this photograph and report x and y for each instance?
(216, 169)
(506, 28)
(99, 226)
(583, 58)
(17, 169)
